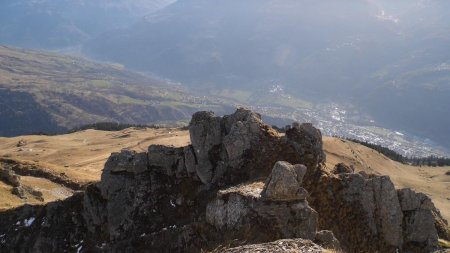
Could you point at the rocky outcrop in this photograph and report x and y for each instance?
(367, 213)
(228, 188)
(9, 177)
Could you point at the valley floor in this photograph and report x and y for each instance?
(64, 163)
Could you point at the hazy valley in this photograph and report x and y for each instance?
(224, 126)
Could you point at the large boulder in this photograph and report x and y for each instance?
(284, 183)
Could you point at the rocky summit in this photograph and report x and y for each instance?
(239, 187)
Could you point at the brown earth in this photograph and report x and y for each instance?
(79, 158)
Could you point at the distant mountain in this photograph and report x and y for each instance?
(388, 58)
(44, 92)
(57, 24)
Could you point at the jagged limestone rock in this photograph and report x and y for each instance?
(284, 183)
(168, 199)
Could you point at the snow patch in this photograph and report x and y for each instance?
(29, 222)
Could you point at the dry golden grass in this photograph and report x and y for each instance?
(78, 156)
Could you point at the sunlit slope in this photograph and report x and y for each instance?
(48, 92)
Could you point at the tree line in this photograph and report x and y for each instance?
(433, 161)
